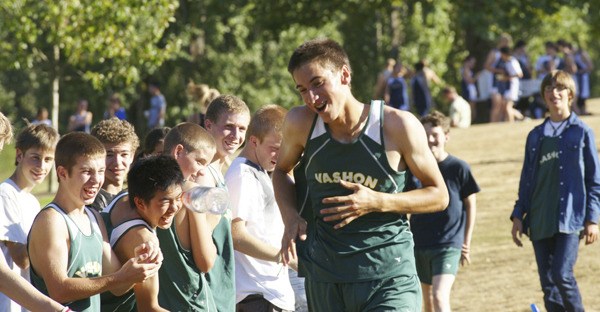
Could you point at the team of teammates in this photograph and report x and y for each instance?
(70, 257)
(357, 253)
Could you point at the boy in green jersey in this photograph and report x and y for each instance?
(360, 254)
(151, 201)
(121, 142)
(71, 259)
(187, 245)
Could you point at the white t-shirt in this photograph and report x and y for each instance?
(252, 199)
(460, 113)
(17, 212)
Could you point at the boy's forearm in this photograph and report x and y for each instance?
(23, 293)
(204, 250)
(18, 253)
(471, 211)
(285, 194)
(249, 245)
(73, 289)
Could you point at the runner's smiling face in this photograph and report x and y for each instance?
(84, 180)
(320, 88)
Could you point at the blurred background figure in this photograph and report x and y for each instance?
(114, 108)
(81, 120)
(396, 90)
(382, 79)
(460, 110)
(467, 82)
(584, 68)
(42, 117)
(199, 96)
(154, 143)
(158, 107)
(422, 99)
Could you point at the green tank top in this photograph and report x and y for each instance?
(85, 259)
(374, 246)
(108, 301)
(543, 215)
(183, 286)
(221, 278)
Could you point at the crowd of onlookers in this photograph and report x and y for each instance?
(508, 82)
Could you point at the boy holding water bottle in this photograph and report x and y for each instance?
(151, 202)
(261, 280)
(187, 245)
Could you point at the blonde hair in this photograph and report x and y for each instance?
(267, 119)
(6, 130)
(190, 135)
(226, 104)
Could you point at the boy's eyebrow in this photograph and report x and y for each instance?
(175, 197)
(313, 79)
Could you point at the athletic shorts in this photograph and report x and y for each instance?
(402, 293)
(436, 261)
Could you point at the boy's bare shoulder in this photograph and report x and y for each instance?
(298, 115)
(399, 120)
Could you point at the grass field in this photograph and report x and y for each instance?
(502, 277)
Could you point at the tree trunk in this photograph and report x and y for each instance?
(52, 182)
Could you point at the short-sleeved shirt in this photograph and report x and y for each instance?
(253, 200)
(18, 209)
(446, 228)
(460, 112)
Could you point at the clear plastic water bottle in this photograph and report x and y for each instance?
(202, 199)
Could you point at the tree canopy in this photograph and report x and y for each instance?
(94, 48)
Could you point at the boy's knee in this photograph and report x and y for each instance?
(562, 278)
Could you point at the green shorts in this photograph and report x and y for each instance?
(402, 293)
(436, 261)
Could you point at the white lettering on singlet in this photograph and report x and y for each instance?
(549, 156)
(355, 177)
(90, 269)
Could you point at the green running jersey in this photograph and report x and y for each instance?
(374, 246)
(85, 259)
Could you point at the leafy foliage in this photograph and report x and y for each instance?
(242, 47)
